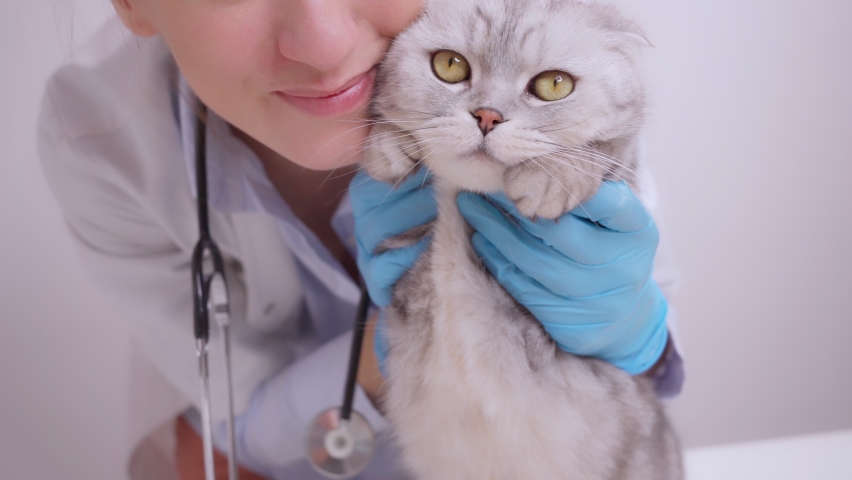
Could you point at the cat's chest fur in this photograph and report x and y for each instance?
(476, 390)
(477, 329)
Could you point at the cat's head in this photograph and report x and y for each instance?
(484, 86)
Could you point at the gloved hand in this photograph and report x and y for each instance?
(382, 211)
(586, 277)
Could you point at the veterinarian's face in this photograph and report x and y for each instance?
(295, 75)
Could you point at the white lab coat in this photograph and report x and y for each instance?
(112, 154)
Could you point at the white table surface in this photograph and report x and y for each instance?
(825, 456)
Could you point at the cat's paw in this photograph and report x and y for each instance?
(388, 156)
(538, 192)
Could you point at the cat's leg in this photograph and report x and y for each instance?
(660, 456)
(391, 154)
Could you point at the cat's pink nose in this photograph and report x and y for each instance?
(488, 119)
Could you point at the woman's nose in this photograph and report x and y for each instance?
(318, 33)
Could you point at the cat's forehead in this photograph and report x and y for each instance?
(512, 33)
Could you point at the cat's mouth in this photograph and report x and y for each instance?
(481, 154)
(476, 170)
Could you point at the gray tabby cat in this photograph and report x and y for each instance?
(539, 99)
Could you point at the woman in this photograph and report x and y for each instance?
(286, 84)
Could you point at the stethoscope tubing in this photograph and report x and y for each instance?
(355, 355)
(210, 298)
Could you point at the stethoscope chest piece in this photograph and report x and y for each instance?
(340, 448)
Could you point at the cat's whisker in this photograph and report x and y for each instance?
(607, 168)
(368, 124)
(322, 147)
(400, 179)
(359, 145)
(565, 128)
(603, 184)
(360, 149)
(619, 172)
(584, 147)
(368, 179)
(387, 136)
(604, 156)
(580, 205)
(383, 157)
(562, 161)
(562, 154)
(417, 143)
(383, 120)
(428, 167)
(428, 171)
(595, 155)
(412, 143)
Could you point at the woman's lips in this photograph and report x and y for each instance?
(349, 99)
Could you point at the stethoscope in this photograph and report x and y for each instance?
(340, 442)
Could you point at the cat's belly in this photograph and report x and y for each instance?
(476, 410)
(467, 420)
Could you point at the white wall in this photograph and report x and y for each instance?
(751, 140)
(62, 377)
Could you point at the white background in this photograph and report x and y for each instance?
(750, 137)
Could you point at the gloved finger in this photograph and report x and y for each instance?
(633, 343)
(395, 216)
(615, 207)
(366, 192)
(381, 272)
(581, 239)
(540, 300)
(547, 266)
(524, 289)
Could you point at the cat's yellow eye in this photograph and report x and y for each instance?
(450, 67)
(551, 86)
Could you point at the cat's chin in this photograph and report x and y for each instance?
(476, 173)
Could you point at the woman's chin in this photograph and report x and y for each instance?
(331, 154)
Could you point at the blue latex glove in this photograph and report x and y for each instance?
(586, 277)
(383, 211)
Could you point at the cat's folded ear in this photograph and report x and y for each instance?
(635, 38)
(622, 31)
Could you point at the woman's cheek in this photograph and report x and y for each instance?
(392, 16)
(219, 49)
